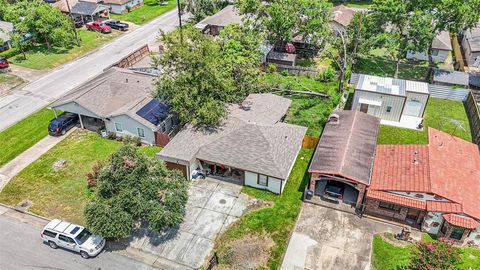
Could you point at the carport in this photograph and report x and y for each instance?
(344, 157)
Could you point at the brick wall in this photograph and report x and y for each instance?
(449, 231)
(372, 207)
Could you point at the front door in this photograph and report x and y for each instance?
(364, 108)
(413, 214)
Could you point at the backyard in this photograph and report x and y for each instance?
(61, 192)
(306, 110)
(439, 115)
(387, 256)
(380, 66)
(149, 11)
(24, 134)
(271, 226)
(39, 56)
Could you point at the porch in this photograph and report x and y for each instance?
(406, 121)
(223, 172)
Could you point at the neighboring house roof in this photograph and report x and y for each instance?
(472, 37)
(62, 5)
(442, 41)
(474, 79)
(251, 138)
(88, 8)
(347, 146)
(5, 29)
(401, 167)
(448, 167)
(342, 14)
(116, 2)
(114, 92)
(387, 85)
(451, 77)
(461, 221)
(226, 16)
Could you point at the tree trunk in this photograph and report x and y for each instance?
(340, 83)
(430, 63)
(397, 67)
(49, 46)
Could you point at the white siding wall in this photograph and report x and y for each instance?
(396, 102)
(441, 57)
(119, 9)
(422, 98)
(431, 219)
(274, 184)
(474, 236)
(130, 128)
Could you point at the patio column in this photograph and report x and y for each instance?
(81, 122)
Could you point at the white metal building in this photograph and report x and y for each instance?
(390, 98)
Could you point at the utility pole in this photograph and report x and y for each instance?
(180, 21)
(73, 23)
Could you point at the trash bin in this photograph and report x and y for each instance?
(309, 195)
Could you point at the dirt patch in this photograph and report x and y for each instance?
(390, 238)
(249, 252)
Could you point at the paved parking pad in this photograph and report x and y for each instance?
(211, 207)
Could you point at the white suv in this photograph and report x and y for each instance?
(64, 234)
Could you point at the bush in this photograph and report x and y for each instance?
(435, 255)
(111, 135)
(284, 72)
(132, 140)
(10, 53)
(328, 75)
(271, 68)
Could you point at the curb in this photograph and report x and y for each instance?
(26, 213)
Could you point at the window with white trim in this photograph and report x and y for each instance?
(141, 132)
(262, 180)
(118, 127)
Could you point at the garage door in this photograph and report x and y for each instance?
(413, 108)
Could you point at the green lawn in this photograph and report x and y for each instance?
(60, 193)
(437, 115)
(380, 66)
(149, 150)
(278, 221)
(9, 81)
(386, 256)
(354, 3)
(147, 12)
(39, 57)
(305, 110)
(24, 134)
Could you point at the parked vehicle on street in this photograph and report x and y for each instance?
(4, 63)
(59, 233)
(99, 27)
(117, 25)
(334, 190)
(62, 124)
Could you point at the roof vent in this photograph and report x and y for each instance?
(126, 80)
(415, 161)
(334, 118)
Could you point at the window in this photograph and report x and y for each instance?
(50, 234)
(141, 132)
(162, 128)
(66, 239)
(262, 180)
(389, 206)
(389, 108)
(457, 233)
(118, 127)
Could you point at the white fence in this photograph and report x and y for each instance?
(446, 92)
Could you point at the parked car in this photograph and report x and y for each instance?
(99, 27)
(4, 63)
(59, 233)
(61, 124)
(117, 25)
(334, 190)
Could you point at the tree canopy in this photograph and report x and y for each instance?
(203, 8)
(41, 20)
(132, 187)
(202, 74)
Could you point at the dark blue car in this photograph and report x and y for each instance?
(62, 124)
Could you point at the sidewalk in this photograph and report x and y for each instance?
(27, 218)
(12, 168)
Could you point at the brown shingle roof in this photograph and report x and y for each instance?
(342, 14)
(347, 147)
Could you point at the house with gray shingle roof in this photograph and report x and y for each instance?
(441, 49)
(121, 101)
(471, 46)
(5, 29)
(252, 146)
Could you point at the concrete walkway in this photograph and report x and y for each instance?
(12, 168)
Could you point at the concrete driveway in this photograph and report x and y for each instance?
(325, 238)
(212, 206)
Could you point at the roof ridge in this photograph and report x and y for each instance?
(348, 140)
(270, 148)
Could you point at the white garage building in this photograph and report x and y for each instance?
(390, 99)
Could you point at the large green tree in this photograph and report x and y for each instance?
(286, 19)
(201, 75)
(42, 20)
(203, 8)
(132, 187)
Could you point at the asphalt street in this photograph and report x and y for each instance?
(21, 248)
(38, 94)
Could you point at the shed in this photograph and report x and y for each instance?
(447, 77)
(471, 46)
(287, 59)
(441, 49)
(390, 98)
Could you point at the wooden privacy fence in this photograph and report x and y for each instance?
(132, 58)
(473, 117)
(309, 142)
(459, 62)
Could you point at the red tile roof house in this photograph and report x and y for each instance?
(435, 187)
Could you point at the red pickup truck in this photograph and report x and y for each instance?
(3, 63)
(98, 26)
